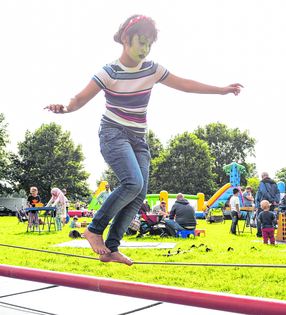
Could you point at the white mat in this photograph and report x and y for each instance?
(85, 244)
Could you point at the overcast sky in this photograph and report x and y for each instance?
(51, 49)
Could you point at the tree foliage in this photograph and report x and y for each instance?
(155, 145)
(281, 175)
(226, 146)
(48, 158)
(253, 182)
(4, 156)
(194, 163)
(184, 166)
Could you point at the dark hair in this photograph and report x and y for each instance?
(136, 24)
(74, 234)
(235, 191)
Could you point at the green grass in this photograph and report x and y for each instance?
(263, 282)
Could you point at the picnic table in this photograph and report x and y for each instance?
(33, 221)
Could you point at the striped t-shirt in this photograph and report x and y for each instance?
(127, 92)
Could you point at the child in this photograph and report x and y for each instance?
(268, 221)
(58, 200)
(75, 223)
(33, 199)
(127, 83)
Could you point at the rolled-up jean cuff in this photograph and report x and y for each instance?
(113, 249)
(92, 230)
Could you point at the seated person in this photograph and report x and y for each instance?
(75, 223)
(144, 209)
(160, 209)
(248, 197)
(182, 216)
(147, 206)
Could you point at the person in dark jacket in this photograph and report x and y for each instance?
(267, 190)
(268, 220)
(182, 216)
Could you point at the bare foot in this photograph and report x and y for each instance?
(116, 257)
(96, 242)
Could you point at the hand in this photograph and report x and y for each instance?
(162, 213)
(57, 108)
(232, 88)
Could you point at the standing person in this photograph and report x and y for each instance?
(182, 216)
(58, 201)
(127, 83)
(234, 210)
(104, 195)
(267, 190)
(33, 199)
(267, 220)
(66, 214)
(248, 201)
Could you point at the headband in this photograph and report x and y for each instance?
(134, 21)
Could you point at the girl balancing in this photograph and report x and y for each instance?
(127, 83)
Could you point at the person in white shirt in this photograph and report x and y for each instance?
(235, 210)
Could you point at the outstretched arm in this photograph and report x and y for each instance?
(78, 101)
(191, 86)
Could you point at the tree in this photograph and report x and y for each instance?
(253, 182)
(156, 148)
(4, 157)
(226, 146)
(281, 175)
(48, 158)
(184, 166)
(155, 145)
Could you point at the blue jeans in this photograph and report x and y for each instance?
(129, 157)
(234, 218)
(173, 225)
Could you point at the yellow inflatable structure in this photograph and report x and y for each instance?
(94, 205)
(222, 190)
(100, 188)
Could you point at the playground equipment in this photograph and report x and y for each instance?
(199, 200)
(233, 170)
(281, 230)
(153, 199)
(94, 204)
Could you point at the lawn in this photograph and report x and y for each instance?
(213, 248)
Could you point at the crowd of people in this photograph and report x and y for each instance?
(182, 214)
(263, 208)
(266, 205)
